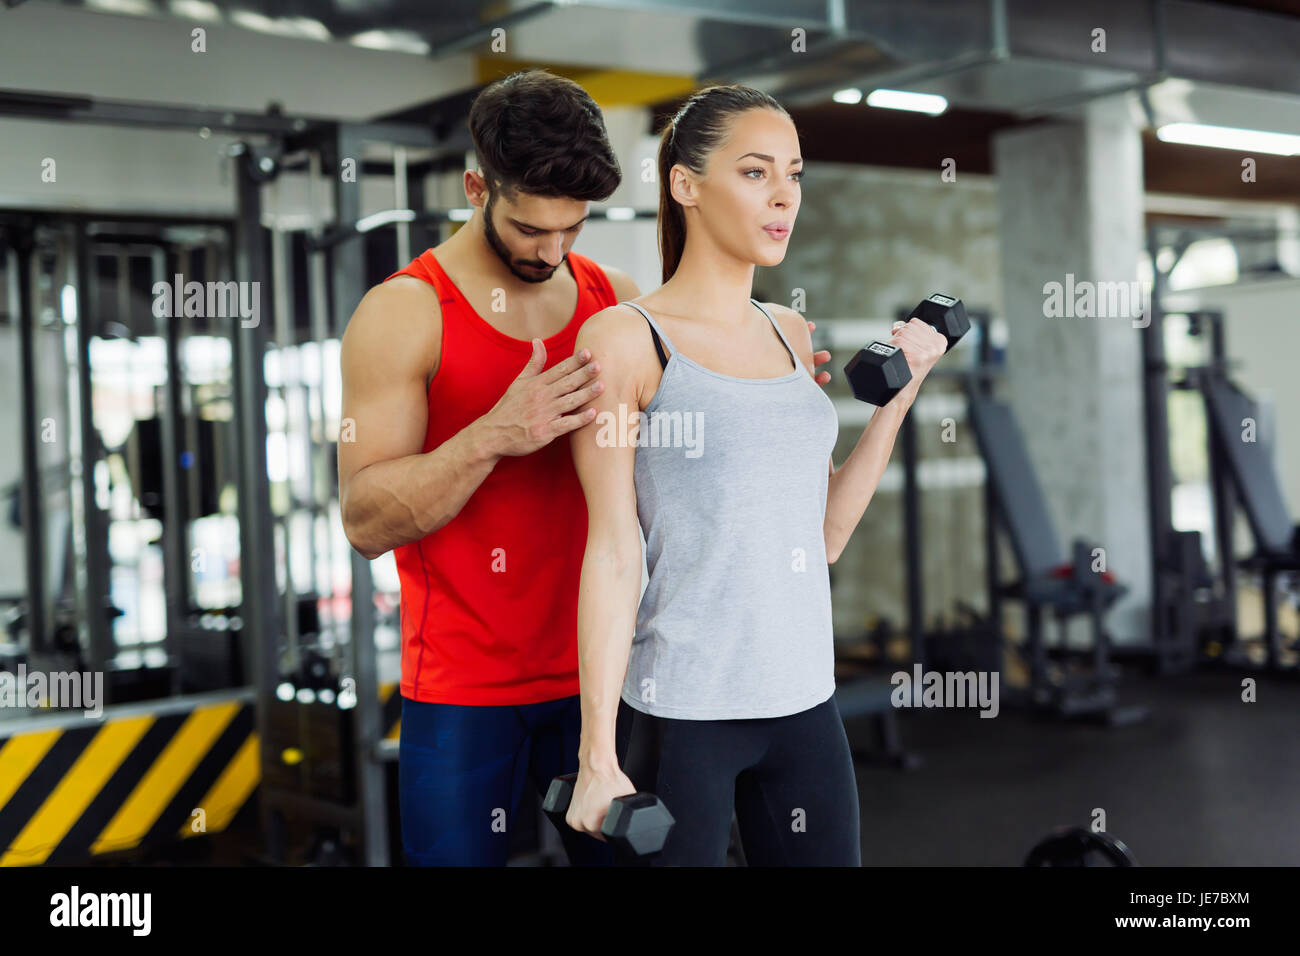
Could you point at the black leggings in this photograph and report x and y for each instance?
(789, 780)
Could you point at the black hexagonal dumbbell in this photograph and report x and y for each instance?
(636, 826)
(879, 371)
(1080, 846)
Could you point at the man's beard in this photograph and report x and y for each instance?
(499, 247)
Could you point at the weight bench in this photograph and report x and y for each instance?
(1253, 473)
(1049, 580)
(870, 697)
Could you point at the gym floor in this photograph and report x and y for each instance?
(1206, 780)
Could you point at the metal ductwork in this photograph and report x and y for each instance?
(1028, 58)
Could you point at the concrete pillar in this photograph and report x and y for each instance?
(1070, 198)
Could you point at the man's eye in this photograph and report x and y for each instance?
(528, 233)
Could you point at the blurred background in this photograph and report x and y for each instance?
(1096, 496)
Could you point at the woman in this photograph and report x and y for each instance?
(725, 691)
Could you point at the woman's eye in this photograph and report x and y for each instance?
(754, 170)
(798, 176)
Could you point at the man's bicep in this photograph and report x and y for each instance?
(384, 360)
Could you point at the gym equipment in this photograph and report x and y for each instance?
(144, 454)
(1079, 846)
(879, 371)
(1253, 473)
(871, 697)
(937, 644)
(1066, 587)
(636, 826)
(1194, 604)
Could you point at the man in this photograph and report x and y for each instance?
(459, 375)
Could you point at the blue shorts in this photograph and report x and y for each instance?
(461, 775)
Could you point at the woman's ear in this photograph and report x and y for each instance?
(681, 185)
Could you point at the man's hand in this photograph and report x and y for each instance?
(535, 409)
(820, 358)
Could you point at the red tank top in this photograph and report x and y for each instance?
(489, 601)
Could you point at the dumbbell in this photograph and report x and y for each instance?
(636, 826)
(1080, 846)
(879, 371)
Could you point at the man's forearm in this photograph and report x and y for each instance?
(391, 503)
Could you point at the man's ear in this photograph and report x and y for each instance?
(475, 187)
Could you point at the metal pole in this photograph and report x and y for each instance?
(912, 544)
(1159, 469)
(286, 356)
(983, 387)
(260, 611)
(322, 466)
(21, 239)
(1222, 491)
(175, 505)
(401, 201)
(101, 644)
(349, 275)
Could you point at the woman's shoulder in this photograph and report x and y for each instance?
(795, 327)
(616, 331)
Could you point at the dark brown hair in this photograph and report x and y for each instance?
(542, 134)
(700, 126)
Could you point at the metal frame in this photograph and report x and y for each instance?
(20, 237)
(1175, 637)
(981, 376)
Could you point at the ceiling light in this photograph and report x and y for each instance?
(903, 100)
(1227, 137)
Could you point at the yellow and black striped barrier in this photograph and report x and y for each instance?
(140, 774)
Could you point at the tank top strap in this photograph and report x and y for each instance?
(777, 325)
(654, 325)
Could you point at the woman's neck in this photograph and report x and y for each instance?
(711, 285)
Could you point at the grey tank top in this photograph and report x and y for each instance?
(730, 476)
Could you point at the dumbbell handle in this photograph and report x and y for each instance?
(556, 805)
(881, 347)
(882, 357)
(950, 302)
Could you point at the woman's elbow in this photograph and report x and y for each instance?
(834, 547)
(616, 552)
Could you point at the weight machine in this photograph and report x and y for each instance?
(1194, 602)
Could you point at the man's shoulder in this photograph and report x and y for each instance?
(405, 310)
(624, 285)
